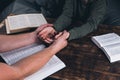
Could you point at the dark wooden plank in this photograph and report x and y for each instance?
(85, 61)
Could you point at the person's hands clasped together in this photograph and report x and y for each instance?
(46, 33)
(60, 41)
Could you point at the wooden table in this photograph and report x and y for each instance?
(85, 61)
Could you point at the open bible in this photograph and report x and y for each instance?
(110, 44)
(54, 64)
(22, 22)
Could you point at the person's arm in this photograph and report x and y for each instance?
(65, 19)
(31, 64)
(9, 42)
(97, 14)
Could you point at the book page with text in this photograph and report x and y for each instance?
(113, 49)
(17, 22)
(112, 52)
(106, 39)
(15, 55)
(54, 65)
(36, 20)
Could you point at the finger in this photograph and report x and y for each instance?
(41, 27)
(58, 35)
(44, 36)
(48, 41)
(42, 33)
(49, 38)
(47, 25)
(47, 30)
(65, 34)
(46, 33)
(50, 25)
(41, 36)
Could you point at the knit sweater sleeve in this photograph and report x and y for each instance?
(65, 19)
(96, 16)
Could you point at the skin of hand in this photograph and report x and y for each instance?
(40, 28)
(60, 40)
(46, 33)
(19, 40)
(31, 64)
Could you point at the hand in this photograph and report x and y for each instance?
(40, 28)
(60, 41)
(47, 34)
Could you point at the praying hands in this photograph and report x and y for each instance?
(47, 33)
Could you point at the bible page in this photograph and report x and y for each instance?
(35, 20)
(112, 52)
(54, 65)
(15, 55)
(17, 22)
(106, 39)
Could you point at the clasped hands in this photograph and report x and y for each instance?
(48, 34)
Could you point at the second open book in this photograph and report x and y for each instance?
(110, 44)
(22, 22)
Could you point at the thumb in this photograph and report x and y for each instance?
(58, 35)
(65, 34)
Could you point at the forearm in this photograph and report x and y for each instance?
(9, 42)
(81, 31)
(33, 63)
(97, 14)
(27, 66)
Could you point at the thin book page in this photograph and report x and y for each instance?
(24, 22)
(110, 44)
(106, 39)
(17, 22)
(113, 54)
(15, 55)
(54, 64)
(36, 20)
(113, 50)
(7, 26)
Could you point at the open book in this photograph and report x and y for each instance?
(54, 64)
(22, 22)
(110, 44)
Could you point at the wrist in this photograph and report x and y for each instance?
(33, 37)
(53, 49)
